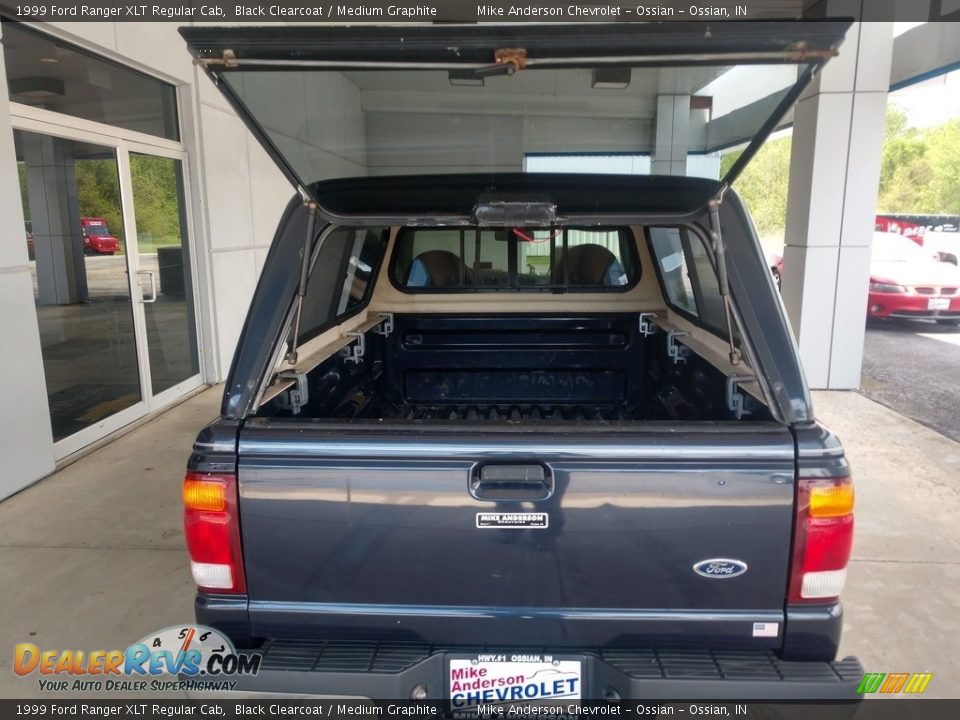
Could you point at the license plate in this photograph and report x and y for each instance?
(938, 304)
(503, 678)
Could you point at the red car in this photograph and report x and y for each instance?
(906, 282)
(775, 263)
(97, 239)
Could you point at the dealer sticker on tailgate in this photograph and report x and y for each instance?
(498, 678)
(533, 520)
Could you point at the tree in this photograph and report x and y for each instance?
(763, 184)
(919, 173)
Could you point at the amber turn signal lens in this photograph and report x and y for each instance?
(204, 495)
(831, 500)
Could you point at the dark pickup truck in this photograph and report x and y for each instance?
(492, 433)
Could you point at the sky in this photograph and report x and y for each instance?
(930, 102)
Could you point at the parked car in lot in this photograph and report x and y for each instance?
(488, 427)
(97, 238)
(906, 282)
(775, 263)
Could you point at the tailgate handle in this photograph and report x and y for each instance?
(512, 482)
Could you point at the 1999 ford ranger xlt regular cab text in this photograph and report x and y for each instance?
(486, 415)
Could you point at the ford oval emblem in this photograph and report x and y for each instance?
(720, 568)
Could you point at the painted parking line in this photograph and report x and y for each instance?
(952, 338)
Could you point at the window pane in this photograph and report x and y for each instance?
(54, 75)
(593, 258)
(364, 257)
(709, 300)
(160, 208)
(513, 258)
(340, 280)
(673, 267)
(75, 242)
(329, 124)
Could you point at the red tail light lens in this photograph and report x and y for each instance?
(823, 539)
(212, 529)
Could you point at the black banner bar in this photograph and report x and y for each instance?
(351, 709)
(470, 11)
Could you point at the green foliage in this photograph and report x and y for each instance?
(155, 197)
(98, 193)
(763, 184)
(157, 201)
(919, 173)
(24, 197)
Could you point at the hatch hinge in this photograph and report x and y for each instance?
(304, 196)
(304, 274)
(647, 328)
(296, 397)
(385, 327)
(227, 59)
(719, 254)
(675, 351)
(514, 58)
(734, 397)
(354, 352)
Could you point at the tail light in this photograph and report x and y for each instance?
(823, 538)
(211, 525)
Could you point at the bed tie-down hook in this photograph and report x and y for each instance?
(734, 396)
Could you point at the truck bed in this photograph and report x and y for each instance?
(515, 369)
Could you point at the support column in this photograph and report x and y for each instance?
(55, 219)
(838, 133)
(672, 135)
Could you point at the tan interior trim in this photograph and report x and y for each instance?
(713, 349)
(323, 346)
(644, 297)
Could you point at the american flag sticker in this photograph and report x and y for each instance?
(766, 629)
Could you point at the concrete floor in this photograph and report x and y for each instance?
(93, 558)
(90, 350)
(912, 367)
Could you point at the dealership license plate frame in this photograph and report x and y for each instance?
(508, 662)
(938, 303)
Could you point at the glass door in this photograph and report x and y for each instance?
(78, 250)
(160, 241)
(107, 235)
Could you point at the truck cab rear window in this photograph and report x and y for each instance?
(514, 259)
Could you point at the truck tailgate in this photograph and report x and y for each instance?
(455, 536)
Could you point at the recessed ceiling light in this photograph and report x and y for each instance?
(611, 78)
(49, 60)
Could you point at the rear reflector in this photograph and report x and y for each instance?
(212, 530)
(823, 539)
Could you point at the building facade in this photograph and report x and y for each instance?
(137, 213)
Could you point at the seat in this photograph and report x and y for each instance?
(438, 268)
(587, 265)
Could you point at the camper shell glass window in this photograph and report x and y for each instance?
(514, 259)
(342, 277)
(687, 275)
(325, 124)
